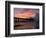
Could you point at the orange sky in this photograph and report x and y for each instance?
(24, 14)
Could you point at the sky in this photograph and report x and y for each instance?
(25, 12)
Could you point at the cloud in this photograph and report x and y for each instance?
(25, 13)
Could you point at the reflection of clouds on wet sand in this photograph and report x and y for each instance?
(25, 25)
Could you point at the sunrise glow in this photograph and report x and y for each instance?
(25, 14)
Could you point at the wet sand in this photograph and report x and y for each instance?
(25, 24)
